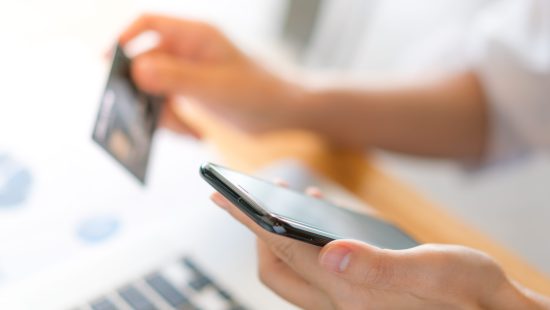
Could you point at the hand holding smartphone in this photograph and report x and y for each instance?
(295, 215)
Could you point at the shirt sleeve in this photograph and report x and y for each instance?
(510, 48)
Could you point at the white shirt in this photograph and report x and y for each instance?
(511, 50)
(506, 41)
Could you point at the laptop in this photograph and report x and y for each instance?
(83, 235)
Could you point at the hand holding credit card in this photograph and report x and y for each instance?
(127, 119)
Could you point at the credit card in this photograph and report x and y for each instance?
(127, 119)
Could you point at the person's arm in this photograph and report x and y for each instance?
(447, 118)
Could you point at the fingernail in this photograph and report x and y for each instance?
(336, 259)
(280, 182)
(314, 192)
(219, 202)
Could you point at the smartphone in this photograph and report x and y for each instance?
(295, 215)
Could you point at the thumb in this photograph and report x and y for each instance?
(363, 264)
(162, 74)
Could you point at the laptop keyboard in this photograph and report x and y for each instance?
(182, 285)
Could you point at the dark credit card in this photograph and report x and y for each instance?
(127, 119)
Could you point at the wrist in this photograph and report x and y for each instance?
(299, 106)
(339, 116)
(511, 295)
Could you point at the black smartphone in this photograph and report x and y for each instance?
(293, 214)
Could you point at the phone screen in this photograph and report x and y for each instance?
(318, 214)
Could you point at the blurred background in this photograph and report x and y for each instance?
(52, 71)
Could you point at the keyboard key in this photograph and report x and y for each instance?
(103, 304)
(199, 283)
(199, 280)
(135, 298)
(187, 262)
(237, 307)
(209, 294)
(224, 294)
(171, 294)
(177, 274)
(210, 299)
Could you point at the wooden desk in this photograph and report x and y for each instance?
(396, 201)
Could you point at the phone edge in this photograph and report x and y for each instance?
(273, 224)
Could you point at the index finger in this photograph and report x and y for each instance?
(170, 119)
(244, 219)
(162, 24)
(300, 256)
(144, 23)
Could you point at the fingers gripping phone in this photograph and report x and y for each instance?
(293, 214)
